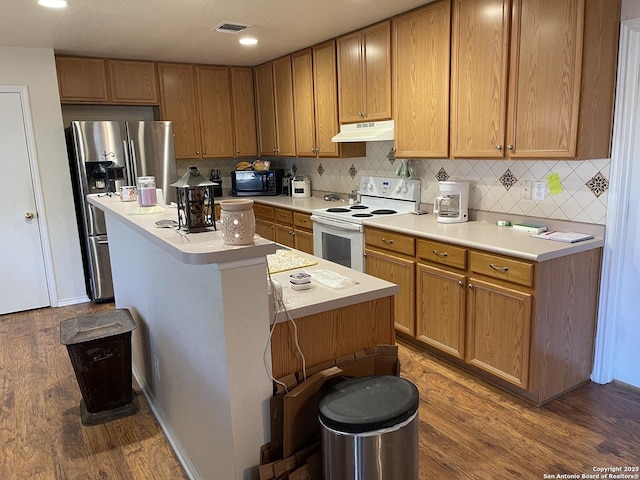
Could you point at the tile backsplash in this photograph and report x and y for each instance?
(495, 184)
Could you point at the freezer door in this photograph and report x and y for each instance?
(152, 152)
(99, 266)
(99, 142)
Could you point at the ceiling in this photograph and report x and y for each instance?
(181, 31)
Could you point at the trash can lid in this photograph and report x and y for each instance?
(96, 325)
(365, 404)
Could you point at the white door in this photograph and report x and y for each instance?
(23, 280)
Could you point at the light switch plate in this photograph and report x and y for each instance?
(525, 190)
(539, 190)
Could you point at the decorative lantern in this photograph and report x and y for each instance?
(194, 195)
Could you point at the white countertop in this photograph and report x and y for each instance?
(199, 248)
(317, 299)
(304, 205)
(483, 236)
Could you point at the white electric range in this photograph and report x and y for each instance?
(338, 232)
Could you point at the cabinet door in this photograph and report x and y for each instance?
(285, 124)
(441, 309)
(304, 110)
(303, 241)
(499, 328)
(421, 82)
(376, 49)
(284, 235)
(216, 120)
(133, 82)
(350, 78)
(401, 272)
(544, 82)
(325, 83)
(82, 80)
(244, 112)
(265, 229)
(179, 105)
(266, 109)
(479, 59)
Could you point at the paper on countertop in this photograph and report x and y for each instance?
(284, 260)
(146, 210)
(332, 279)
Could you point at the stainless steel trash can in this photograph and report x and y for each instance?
(370, 429)
(99, 347)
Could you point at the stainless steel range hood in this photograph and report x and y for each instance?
(365, 132)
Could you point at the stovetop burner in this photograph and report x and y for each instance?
(362, 215)
(338, 210)
(384, 211)
(358, 207)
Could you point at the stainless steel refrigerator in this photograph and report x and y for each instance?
(104, 156)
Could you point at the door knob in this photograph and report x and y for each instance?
(29, 215)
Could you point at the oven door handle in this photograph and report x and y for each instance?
(344, 226)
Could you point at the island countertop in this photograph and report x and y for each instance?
(200, 248)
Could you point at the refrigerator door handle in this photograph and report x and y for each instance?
(134, 161)
(131, 180)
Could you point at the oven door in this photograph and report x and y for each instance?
(339, 242)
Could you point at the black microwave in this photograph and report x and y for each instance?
(245, 183)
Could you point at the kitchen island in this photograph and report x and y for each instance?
(203, 315)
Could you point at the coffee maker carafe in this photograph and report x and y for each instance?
(451, 206)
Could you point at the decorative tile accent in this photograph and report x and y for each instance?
(598, 184)
(294, 168)
(442, 175)
(391, 156)
(320, 170)
(508, 180)
(352, 171)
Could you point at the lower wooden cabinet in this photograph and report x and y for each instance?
(528, 327)
(284, 226)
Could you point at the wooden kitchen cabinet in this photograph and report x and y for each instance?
(244, 112)
(303, 232)
(264, 221)
(215, 111)
(389, 256)
(133, 82)
(512, 96)
(274, 90)
(284, 227)
(421, 77)
(364, 74)
(179, 104)
(82, 80)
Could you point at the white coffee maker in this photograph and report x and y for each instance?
(452, 205)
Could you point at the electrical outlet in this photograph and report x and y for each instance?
(539, 190)
(525, 190)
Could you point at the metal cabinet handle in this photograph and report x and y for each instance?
(440, 254)
(499, 269)
(460, 283)
(509, 147)
(29, 215)
(498, 147)
(470, 285)
(388, 242)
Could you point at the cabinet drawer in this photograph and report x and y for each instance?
(395, 242)
(284, 216)
(442, 253)
(302, 220)
(263, 211)
(496, 266)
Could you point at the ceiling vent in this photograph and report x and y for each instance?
(228, 27)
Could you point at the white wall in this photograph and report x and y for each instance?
(35, 68)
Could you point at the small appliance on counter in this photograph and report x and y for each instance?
(451, 206)
(215, 177)
(286, 185)
(246, 183)
(301, 186)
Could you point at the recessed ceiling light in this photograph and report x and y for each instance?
(53, 3)
(248, 41)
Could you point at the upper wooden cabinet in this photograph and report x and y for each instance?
(515, 96)
(274, 91)
(421, 81)
(97, 80)
(133, 82)
(82, 80)
(201, 103)
(244, 111)
(216, 116)
(364, 74)
(315, 93)
(179, 103)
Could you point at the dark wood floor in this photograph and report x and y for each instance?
(468, 429)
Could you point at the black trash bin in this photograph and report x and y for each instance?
(99, 346)
(370, 429)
